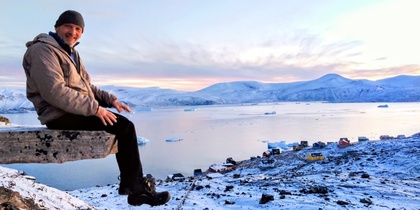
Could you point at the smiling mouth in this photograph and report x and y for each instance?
(70, 37)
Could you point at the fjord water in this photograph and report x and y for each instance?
(213, 133)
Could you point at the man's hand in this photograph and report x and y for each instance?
(107, 117)
(120, 106)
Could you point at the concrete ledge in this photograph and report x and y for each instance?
(42, 145)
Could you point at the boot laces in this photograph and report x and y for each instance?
(150, 185)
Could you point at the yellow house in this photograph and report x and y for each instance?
(315, 156)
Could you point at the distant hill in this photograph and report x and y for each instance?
(329, 88)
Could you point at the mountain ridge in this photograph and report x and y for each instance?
(329, 88)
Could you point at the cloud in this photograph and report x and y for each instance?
(294, 56)
(280, 41)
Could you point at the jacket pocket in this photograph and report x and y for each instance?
(66, 72)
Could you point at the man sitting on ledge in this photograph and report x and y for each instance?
(59, 86)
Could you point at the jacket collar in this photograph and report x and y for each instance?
(64, 45)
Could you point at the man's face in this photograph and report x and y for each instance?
(69, 32)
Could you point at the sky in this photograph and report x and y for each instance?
(191, 44)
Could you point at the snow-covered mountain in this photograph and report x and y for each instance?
(330, 88)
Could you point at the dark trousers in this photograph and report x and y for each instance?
(128, 157)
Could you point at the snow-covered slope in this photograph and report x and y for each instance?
(44, 197)
(380, 174)
(331, 88)
(369, 175)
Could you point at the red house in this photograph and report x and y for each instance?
(343, 142)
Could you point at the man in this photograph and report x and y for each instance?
(59, 87)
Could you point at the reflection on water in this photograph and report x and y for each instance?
(213, 133)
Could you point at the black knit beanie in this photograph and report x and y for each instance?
(70, 16)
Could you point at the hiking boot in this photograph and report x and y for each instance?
(124, 189)
(145, 193)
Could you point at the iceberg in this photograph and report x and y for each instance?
(191, 109)
(281, 144)
(173, 139)
(268, 113)
(141, 140)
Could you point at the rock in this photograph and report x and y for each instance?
(228, 188)
(230, 160)
(365, 176)
(265, 198)
(366, 200)
(228, 202)
(315, 189)
(8, 206)
(4, 120)
(352, 174)
(13, 200)
(17, 190)
(284, 192)
(342, 203)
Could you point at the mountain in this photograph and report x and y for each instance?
(329, 88)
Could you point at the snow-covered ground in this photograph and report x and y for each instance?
(45, 197)
(381, 174)
(368, 175)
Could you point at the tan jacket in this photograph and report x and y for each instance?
(54, 84)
